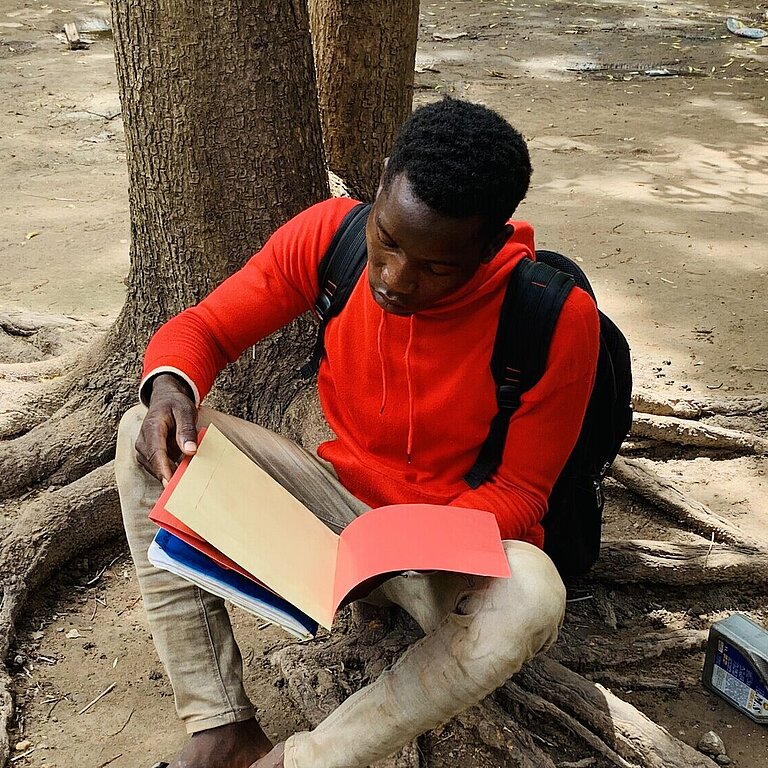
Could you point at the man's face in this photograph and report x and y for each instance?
(417, 256)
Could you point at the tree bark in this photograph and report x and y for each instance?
(364, 57)
(223, 145)
(667, 497)
(686, 432)
(662, 562)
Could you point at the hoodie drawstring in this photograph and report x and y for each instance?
(379, 338)
(409, 379)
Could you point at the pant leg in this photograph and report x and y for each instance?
(480, 631)
(190, 627)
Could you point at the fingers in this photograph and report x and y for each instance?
(185, 416)
(152, 449)
(159, 465)
(168, 432)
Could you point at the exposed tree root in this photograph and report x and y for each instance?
(30, 337)
(661, 562)
(685, 432)
(38, 355)
(613, 679)
(619, 725)
(25, 405)
(319, 675)
(30, 392)
(49, 531)
(513, 693)
(603, 653)
(78, 436)
(498, 731)
(666, 496)
(42, 370)
(696, 408)
(63, 448)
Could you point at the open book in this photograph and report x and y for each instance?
(233, 530)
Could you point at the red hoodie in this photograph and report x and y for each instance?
(410, 399)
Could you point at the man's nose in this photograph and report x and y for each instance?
(399, 276)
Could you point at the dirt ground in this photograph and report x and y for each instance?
(657, 184)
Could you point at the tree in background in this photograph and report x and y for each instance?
(364, 57)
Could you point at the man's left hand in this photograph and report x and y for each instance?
(273, 759)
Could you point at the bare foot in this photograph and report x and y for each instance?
(272, 760)
(229, 746)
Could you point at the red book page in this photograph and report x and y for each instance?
(418, 537)
(164, 519)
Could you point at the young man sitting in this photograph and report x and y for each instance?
(406, 387)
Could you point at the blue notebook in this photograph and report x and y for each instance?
(173, 555)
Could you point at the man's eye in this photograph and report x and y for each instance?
(386, 241)
(438, 270)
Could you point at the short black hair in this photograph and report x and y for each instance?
(462, 159)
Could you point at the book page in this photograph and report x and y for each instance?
(239, 509)
(418, 537)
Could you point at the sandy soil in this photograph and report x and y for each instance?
(656, 184)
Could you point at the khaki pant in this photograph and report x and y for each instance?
(478, 631)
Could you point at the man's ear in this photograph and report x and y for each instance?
(497, 242)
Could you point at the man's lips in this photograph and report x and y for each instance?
(390, 305)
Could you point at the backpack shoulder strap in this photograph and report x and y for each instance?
(532, 302)
(338, 273)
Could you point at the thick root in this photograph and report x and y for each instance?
(513, 693)
(685, 432)
(696, 409)
(666, 496)
(661, 562)
(25, 405)
(618, 724)
(65, 447)
(31, 337)
(48, 532)
(617, 680)
(602, 653)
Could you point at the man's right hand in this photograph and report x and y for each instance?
(169, 429)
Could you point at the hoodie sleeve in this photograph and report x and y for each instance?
(275, 286)
(544, 429)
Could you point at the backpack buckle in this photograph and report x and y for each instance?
(508, 396)
(323, 304)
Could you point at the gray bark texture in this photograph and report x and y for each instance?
(364, 56)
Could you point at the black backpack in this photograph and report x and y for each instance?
(534, 297)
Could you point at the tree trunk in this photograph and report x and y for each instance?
(364, 56)
(223, 145)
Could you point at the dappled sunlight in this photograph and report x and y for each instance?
(737, 111)
(693, 175)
